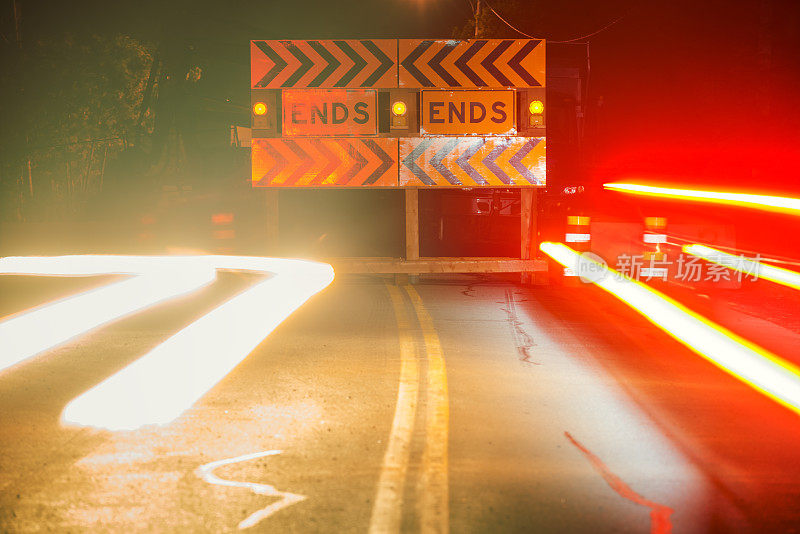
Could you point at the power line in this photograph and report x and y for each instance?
(508, 23)
(604, 28)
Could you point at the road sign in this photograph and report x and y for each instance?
(325, 162)
(329, 112)
(472, 63)
(468, 113)
(398, 113)
(323, 64)
(472, 161)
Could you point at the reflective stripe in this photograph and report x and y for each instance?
(655, 238)
(578, 220)
(578, 238)
(655, 222)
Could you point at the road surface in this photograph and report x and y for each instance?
(462, 403)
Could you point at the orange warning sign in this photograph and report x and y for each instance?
(325, 162)
(365, 63)
(335, 112)
(471, 63)
(468, 113)
(472, 162)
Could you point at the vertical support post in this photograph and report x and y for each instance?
(412, 224)
(17, 23)
(478, 29)
(525, 198)
(533, 224)
(528, 231)
(272, 230)
(30, 176)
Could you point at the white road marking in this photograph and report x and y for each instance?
(206, 472)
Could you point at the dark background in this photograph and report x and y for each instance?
(691, 92)
(692, 87)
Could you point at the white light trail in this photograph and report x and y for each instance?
(765, 202)
(161, 385)
(26, 335)
(754, 365)
(744, 265)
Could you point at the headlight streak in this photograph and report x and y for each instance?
(763, 202)
(761, 369)
(28, 334)
(161, 385)
(744, 265)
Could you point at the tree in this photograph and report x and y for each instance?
(72, 104)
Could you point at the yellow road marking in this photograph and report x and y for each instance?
(433, 502)
(386, 513)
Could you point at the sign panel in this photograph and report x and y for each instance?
(468, 113)
(471, 63)
(335, 112)
(324, 63)
(325, 162)
(339, 126)
(472, 161)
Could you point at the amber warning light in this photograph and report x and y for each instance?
(259, 108)
(399, 108)
(536, 107)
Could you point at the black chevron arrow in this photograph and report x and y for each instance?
(436, 64)
(489, 161)
(412, 69)
(410, 162)
(436, 161)
(516, 160)
(463, 162)
(386, 63)
(305, 63)
(358, 63)
(361, 161)
(461, 63)
(306, 162)
(329, 58)
(333, 161)
(387, 161)
(278, 61)
(519, 56)
(278, 166)
(491, 68)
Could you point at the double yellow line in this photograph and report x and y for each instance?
(432, 489)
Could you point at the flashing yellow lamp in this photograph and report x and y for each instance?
(259, 108)
(536, 107)
(399, 108)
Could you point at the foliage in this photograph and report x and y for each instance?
(73, 104)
